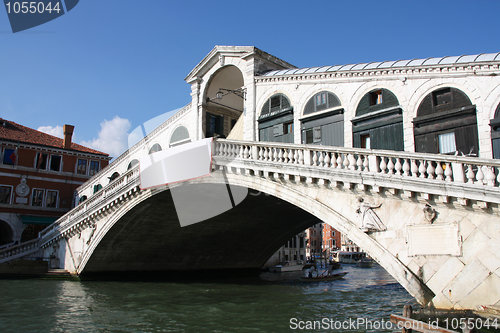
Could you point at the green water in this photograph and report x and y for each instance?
(264, 304)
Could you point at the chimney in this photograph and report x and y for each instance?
(68, 134)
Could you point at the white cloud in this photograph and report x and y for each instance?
(55, 131)
(112, 138)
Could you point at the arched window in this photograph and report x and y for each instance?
(321, 101)
(156, 147)
(82, 198)
(495, 133)
(132, 164)
(446, 123)
(97, 188)
(179, 136)
(113, 176)
(378, 123)
(323, 120)
(276, 120)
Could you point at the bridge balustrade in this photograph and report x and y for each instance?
(416, 168)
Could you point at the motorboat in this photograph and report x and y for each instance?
(286, 267)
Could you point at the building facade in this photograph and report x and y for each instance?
(331, 240)
(39, 174)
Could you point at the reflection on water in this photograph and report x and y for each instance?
(263, 304)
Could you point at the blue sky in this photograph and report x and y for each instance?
(128, 59)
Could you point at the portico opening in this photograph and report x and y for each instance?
(224, 102)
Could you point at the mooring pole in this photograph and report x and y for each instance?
(407, 312)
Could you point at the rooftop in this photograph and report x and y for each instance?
(12, 131)
(484, 57)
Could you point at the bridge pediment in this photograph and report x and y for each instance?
(220, 53)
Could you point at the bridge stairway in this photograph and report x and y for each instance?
(59, 274)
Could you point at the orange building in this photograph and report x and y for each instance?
(38, 177)
(331, 239)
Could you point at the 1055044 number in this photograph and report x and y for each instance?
(32, 7)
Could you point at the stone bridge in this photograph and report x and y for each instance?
(438, 236)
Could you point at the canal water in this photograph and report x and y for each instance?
(269, 303)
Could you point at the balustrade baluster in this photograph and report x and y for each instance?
(439, 171)
(345, 157)
(398, 166)
(480, 175)
(285, 156)
(414, 168)
(340, 161)
(430, 170)
(321, 159)
(315, 158)
(245, 152)
(490, 176)
(359, 163)
(390, 166)
(327, 160)
(470, 174)
(448, 172)
(366, 164)
(296, 157)
(280, 155)
(422, 168)
(334, 161)
(383, 164)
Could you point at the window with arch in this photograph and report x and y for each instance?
(276, 120)
(132, 164)
(97, 188)
(155, 148)
(82, 199)
(113, 176)
(378, 123)
(321, 101)
(275, 103)
(323, 120)
(179, 136)
(446, 123)
(495, 133)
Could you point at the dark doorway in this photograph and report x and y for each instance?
(5, 233)
(215, 125)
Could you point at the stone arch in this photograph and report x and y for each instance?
(431, 85)
(322, 120)
(6, 233)
(301, 200)
(446, 122)
(179, 136)
(223, 100)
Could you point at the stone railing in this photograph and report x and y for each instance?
(110, 168)
(461, 177)
(96, 202)
(20, 250)
(445, 176)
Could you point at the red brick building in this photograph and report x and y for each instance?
(331, 239)
(38, 177)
